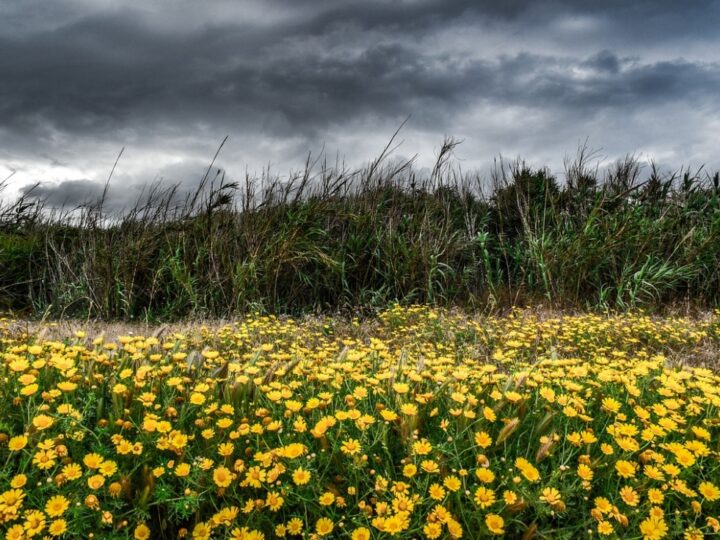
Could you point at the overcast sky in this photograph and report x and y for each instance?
(169, 79)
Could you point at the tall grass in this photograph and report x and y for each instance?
(329, 238)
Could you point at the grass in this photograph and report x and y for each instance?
(331, 239)
(414, 423)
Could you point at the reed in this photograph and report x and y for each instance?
(332, 239)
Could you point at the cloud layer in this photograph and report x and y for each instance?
(168, 80)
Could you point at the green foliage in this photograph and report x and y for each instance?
(334, 240)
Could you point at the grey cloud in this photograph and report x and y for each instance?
(123, 192)
(604, 61)
(67, 194)
(99, 74)
(612, 82)
(286, 74)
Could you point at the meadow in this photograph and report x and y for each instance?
(415, 422)
(406, 354)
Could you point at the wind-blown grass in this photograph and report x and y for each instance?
(333, 239)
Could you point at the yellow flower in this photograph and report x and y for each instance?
(653, 528)
(510, 497)
(482, 439)
(34, 523)
(409, 470)
(67, 386)
(17, 443)
(142, 532)
(29, 390)
(585, 472)
(350, 447)
(611, 405)
(57, 527)
(96, 481)
(625, 469)
(454, 528)
(197, 398)
(629, 496)
(254, 477)
(324, 526)
(108, 468)
(489, 414)
(45, 459)
(72, 471)
(495, 523)
(295, 526)
(485, 475)
(432, 530)
(226, 449)
(422, 448)
(552, 496)
(484, 497)
(201, 531)
(115, 489)
(42, 421)
(182, 470)
(527, 469)
(361, 533)
(274, 501)
(294, 450)
(16, 532)
(409, 409)
(124, 447)
(452, 483)
(18, 481)
(709, 491)
(605, 528)
(222, 477)
(655, 496)
(56, 506)
(301, 476)
(436, 492)
(401, 388)
(548, 394)
(93, 461)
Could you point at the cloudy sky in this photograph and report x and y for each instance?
(169, 79)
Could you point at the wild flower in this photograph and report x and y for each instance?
(424, 423)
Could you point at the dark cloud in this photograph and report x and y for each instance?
(104, 73)
(67, 194)
(604, 61)
(174, 183)
(283, 77)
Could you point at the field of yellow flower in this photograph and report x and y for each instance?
(417, 423)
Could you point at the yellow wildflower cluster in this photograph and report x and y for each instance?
(417, 423)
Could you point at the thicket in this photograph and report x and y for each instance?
(328, 238)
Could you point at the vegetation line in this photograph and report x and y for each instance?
(329, 238)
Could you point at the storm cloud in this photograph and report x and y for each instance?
(167, 80)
